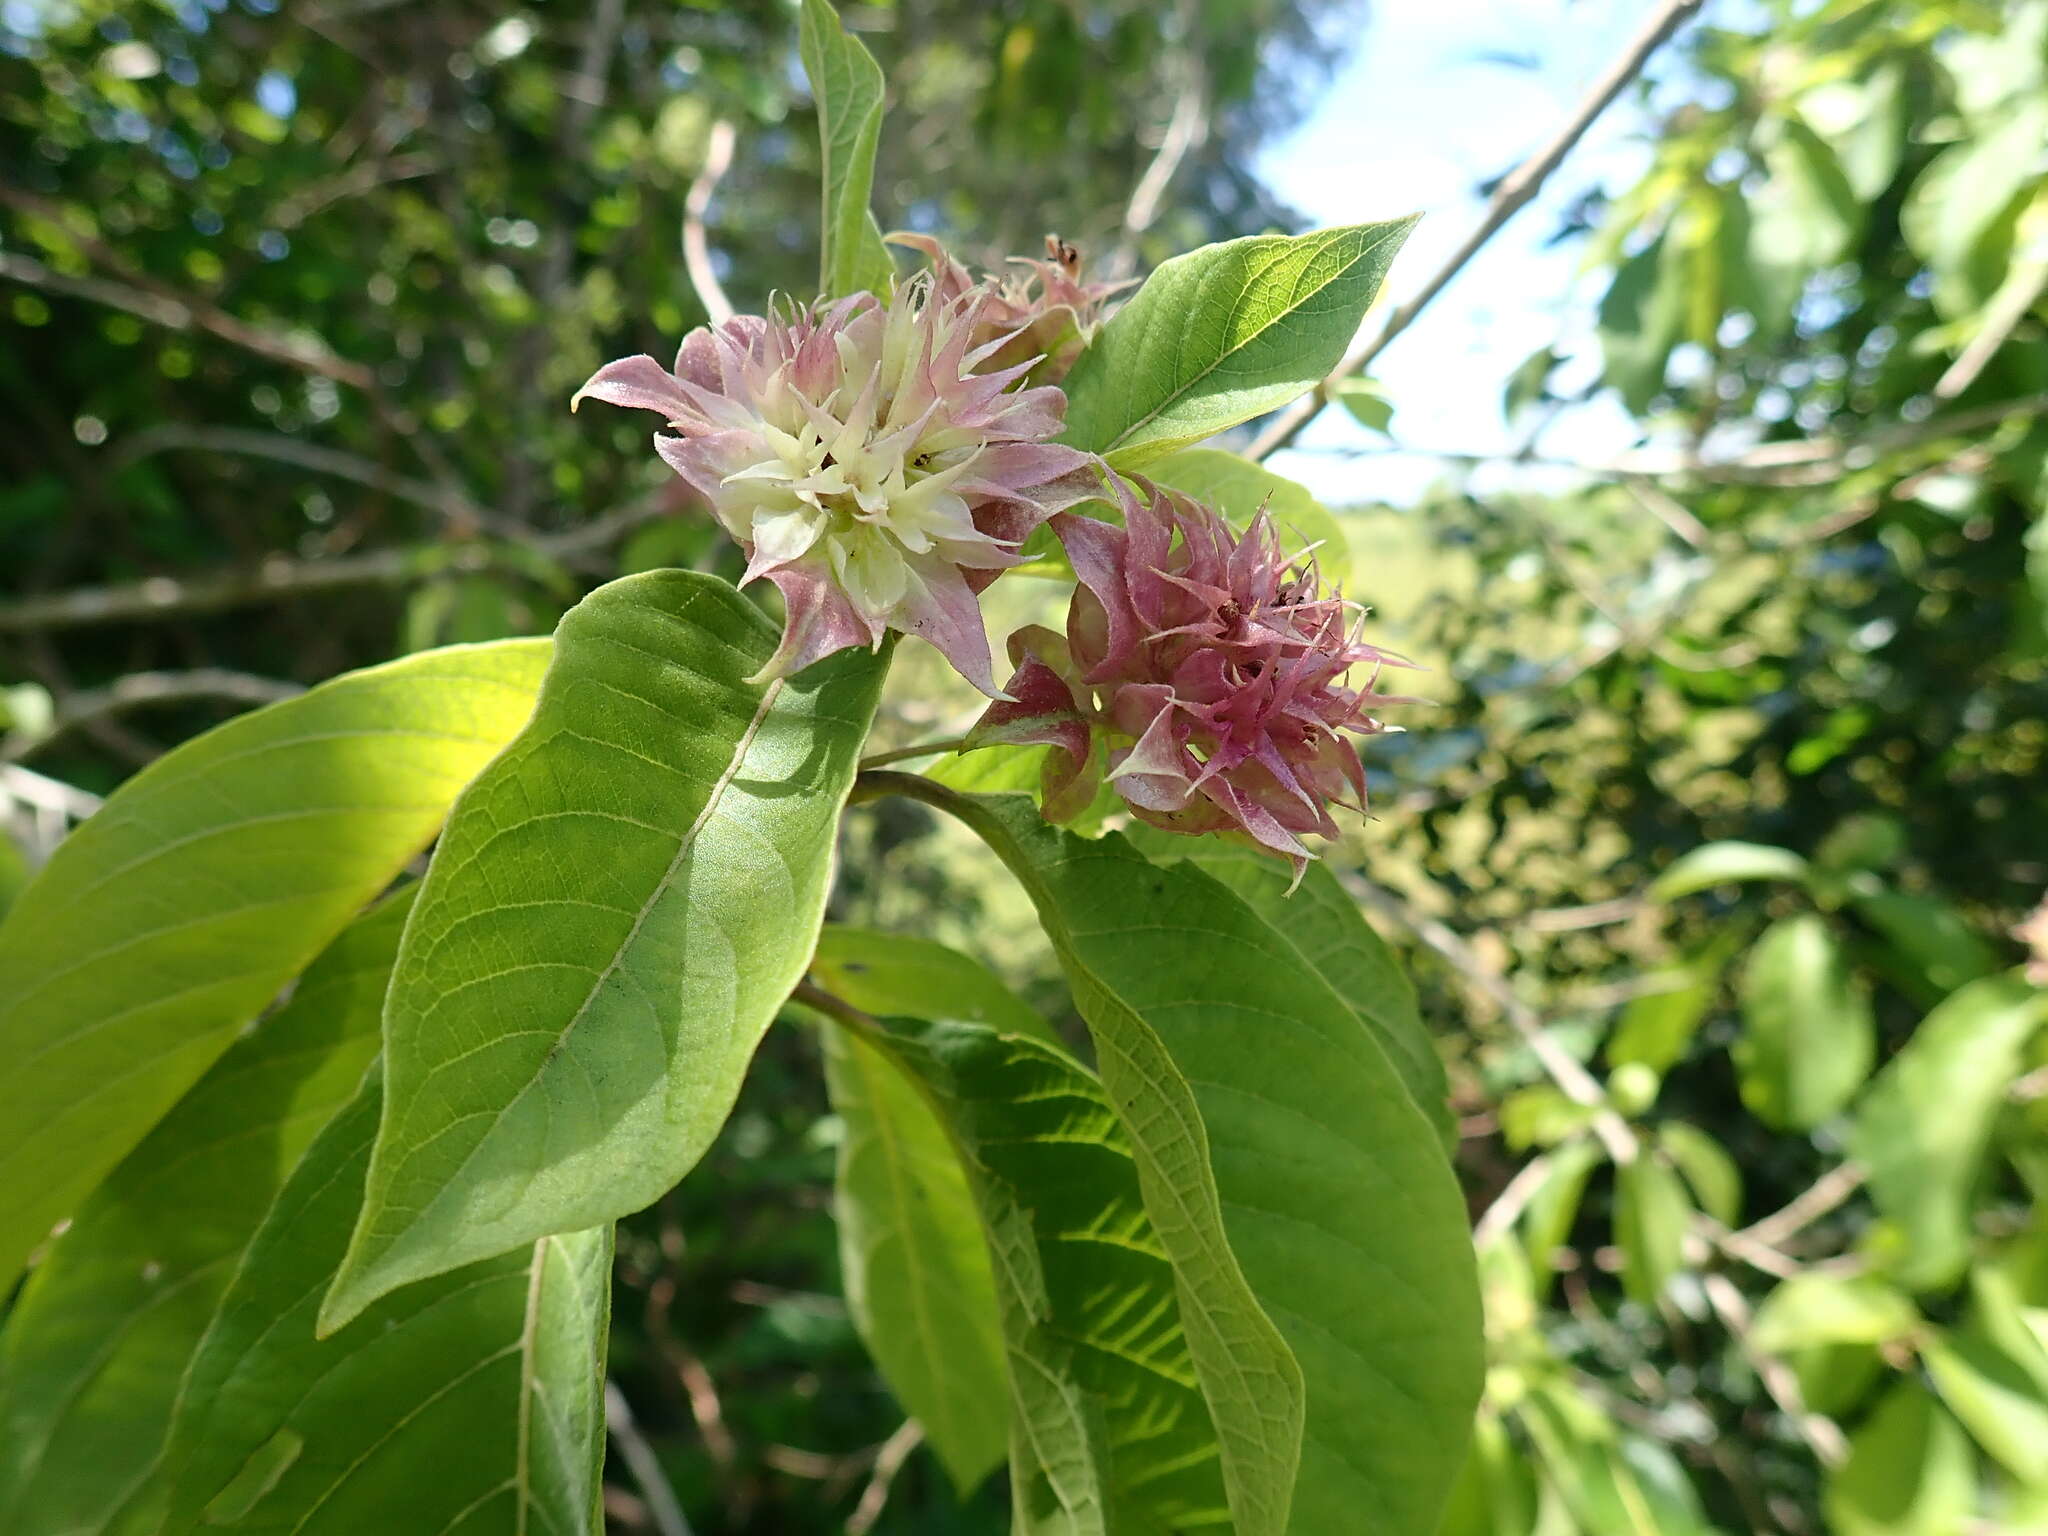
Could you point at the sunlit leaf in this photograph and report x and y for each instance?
(93, 1351)
(1224, 334)
(613, 917)
(168, 920)
(846, 84)
(1726, 864)
(1909, 1472)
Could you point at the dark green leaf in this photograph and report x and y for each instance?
(167, 921)
(1224, 334)
(1112, 1431)
(616, 912)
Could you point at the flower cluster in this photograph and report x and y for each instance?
(881, 460)
(1204, 670)
(869, 457)
(1042, 316)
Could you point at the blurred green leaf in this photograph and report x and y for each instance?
(1923, 1127)
(1807, 1035)
(1651, 1214)
(1993, 1374)
(1927, 943)
(1224, 334)
(1496, 1492)
(1367, 403)
(1548, 1218)
(1713, 1176)
(1909, 1472)
(1642, 317)
(1816, 1308)
(1726, 864)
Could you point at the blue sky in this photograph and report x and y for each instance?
(1415, 118)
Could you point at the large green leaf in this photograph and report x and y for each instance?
(1290, 1176)
(613, 917)
(916, 1270)
(1909, 1472)
(1238, 488)
(1923, 1127)
(470, 1403)
(1325, 926)
(1112, 1431)
(1807, 1035)
(93, 1351)
(1224, 334)
(168, 920)
(847, 86)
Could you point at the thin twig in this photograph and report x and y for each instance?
(465, 515)
(2009, 306)
(140, 689)
(696, 247)
(280, 576)
(1513, 1199)
(888, 1462)
(645, 1466)
(1812, 1203)
(1508, 199)
(1820, 1432)
(1573, 1080)
(47, 794)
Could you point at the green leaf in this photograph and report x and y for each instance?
(1651, 1213)
(1726, 864)
(473, 1401)
(616, 912)
(1238, 488)
(1993, 1374)
(1368, 406)
(1290, 1176)
(1909, 1472)
(1806, 215)
(1496, 1491)
(168, 920)
(1818, 1308)
(1923, 1127)
(847, 86)
(1807, 1036)
(1113, 1433)
(1927, 942)
(916, 1272)
(92, 1352)
(1642, 317)
(1325, 927)
(1960, 213)
(1548, 1218)
(1656, 1027)
(885, 973)
(1224, 334)
(1711, 1173)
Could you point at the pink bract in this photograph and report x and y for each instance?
(1041, 316)
(1209, 670)
(868, 460)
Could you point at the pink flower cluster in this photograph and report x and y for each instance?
(881, 460)
(1204, 671)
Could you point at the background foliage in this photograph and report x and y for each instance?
(1707, 851)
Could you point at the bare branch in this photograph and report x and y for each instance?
(642, 1462)
(696, 247)
(1508, 199)
(282, 577)
(1185, 131)
(1812, 1203)
(888, 1462)
(140, 689)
